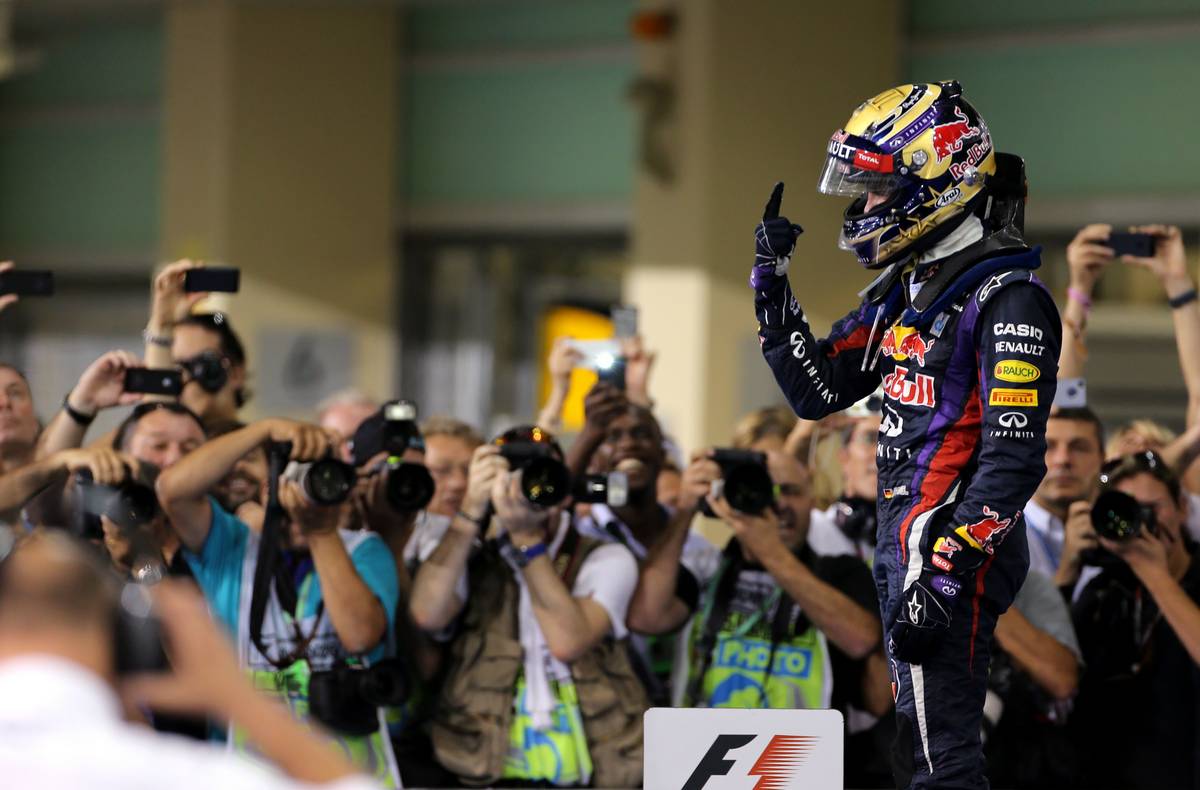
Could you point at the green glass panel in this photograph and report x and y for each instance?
(1088, 118)
(81, 188)
(933, 17)
(508, 26)
(528, 132)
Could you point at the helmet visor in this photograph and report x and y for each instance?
(854, 166)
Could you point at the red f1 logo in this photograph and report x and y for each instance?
(774, 767)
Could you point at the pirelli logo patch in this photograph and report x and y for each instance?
(1002, 396)
(1016, 371)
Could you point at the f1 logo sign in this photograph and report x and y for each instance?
(775, 766)
(713, 763)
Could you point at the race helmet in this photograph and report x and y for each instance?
(926, 150)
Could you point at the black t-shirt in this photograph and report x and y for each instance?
(1136, 715)
(751, 608)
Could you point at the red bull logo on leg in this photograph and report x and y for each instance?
(948, 137)
(904, 342)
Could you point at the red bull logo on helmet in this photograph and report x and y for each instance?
(991, 528)
(948, 137)
(904, 342)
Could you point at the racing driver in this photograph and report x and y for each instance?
(964, 340)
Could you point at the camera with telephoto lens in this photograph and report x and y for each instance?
(545, 480)
(392, 430)
(345, 698)
(747, 485)
(128, 504)
(131, 505)
(1117, 516)
(324, 482)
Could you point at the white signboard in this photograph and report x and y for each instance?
(728, 749)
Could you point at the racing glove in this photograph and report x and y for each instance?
(924, 616)
(774, 239)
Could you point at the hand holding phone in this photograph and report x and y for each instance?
(27, 282)
(223, 279)
(1139, 245)
(154, 381)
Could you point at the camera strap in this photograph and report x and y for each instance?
(784, 623)
(270, 570)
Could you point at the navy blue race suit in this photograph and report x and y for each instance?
(968, 382)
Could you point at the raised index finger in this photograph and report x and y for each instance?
(773, 204)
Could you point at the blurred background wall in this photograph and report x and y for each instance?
(412, 188)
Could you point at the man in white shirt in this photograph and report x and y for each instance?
(62, 718)
(1058, 517)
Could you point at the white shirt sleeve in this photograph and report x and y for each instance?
(700, 557)
(609, 576)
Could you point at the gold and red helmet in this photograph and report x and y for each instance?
(922, 148)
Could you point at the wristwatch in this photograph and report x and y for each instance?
(78, 417)
(520, 556)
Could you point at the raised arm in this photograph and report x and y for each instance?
(818, 377)
(562, 360)
(20, 485)
(1169, 265)
(602, 404)
(102, 386)
(183, 489)
(570, 625)
(436, 599)
(169, 304)
(356, 614)
(1087, 256)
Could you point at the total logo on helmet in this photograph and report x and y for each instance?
(983, 533)
(904, 342)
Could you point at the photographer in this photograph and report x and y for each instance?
(1056, 516)
(632, 445)
(213, 361)
(100, 387)
(1138, 622)
(390, 498)
(745, 604)
(66, 638)
(538, 670)
(327, 600)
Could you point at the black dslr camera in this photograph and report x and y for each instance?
(129, 504)
(747, 485)
(1117, 516)
(345, 698)
(392, 430)
(324, 482)
(545, 480)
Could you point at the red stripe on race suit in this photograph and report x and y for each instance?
(983, 569)
(856, 339)
(946, 464)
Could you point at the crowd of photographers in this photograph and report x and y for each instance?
(454, 610)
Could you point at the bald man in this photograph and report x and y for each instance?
(60, 682)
